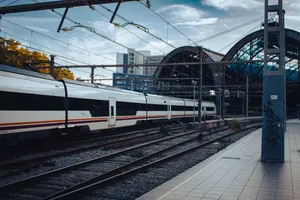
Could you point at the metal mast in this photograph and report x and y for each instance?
(274, 97)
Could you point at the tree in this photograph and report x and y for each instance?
(65, 73)
(13, 54)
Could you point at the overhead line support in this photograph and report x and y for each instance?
(54, 5)
(115, 12)
(274, 86)
(222, 63)
(63, 19)
(200, 85)
(92, 74)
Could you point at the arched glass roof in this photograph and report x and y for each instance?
(251, 47)
(177, 80)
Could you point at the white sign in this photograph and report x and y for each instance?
(274, 97)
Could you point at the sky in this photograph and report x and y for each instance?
(197, 19)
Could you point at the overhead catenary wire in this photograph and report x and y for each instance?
(10, 3)
(73, 64)
(52, 38)
(65, 61)
(196, 43)
(168, 23)
(89, 73)
(58, 56)
(44, 51)
(94, 31)
(140, 27)
(77, 23)
(20, 38)
(58, 64)
(128, 22)
(51, 53)
(72, 72)
(132, 33)
(238, 39)
(128, 29)
(229, 30)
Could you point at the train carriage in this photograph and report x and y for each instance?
(33, 103)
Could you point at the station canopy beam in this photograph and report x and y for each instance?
(54, 5)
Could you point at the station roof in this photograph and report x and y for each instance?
(177, 80)
(251, 47)
(185, 54)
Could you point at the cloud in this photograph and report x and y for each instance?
(293, 18)
(183, 15)
(194, 22)
(181, 12)
(233, 4)
(198, 22)
(293, 7)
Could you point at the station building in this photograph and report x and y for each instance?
(138, 83)
(177, 80)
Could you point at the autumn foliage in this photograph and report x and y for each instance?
(14, 55)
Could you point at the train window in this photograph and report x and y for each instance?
(178, 108)
(155, 107)
(203, 108)
(210, 108)
(190, 108)
(11, 101)
(126, 108)
(112, 111)
(100, 109)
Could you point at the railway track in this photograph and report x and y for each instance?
(15, 166)
(74, 140)
(69, 180)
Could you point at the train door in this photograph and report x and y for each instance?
(169, 110)
(112, 112)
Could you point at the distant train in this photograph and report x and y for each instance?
(34, 104)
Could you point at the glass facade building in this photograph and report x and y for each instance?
(138, 83)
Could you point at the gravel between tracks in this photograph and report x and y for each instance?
(56, 163)
(139, 184)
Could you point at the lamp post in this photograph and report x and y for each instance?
(194, 83)
(131, 81)
(220, 102)
(243, 104)
(176, 76)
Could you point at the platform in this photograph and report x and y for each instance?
(236, 172)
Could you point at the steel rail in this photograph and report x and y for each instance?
(83, 163)
(115, 175)
(36, 178)
(38, 161)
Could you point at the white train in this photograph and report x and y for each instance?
(33, 104)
